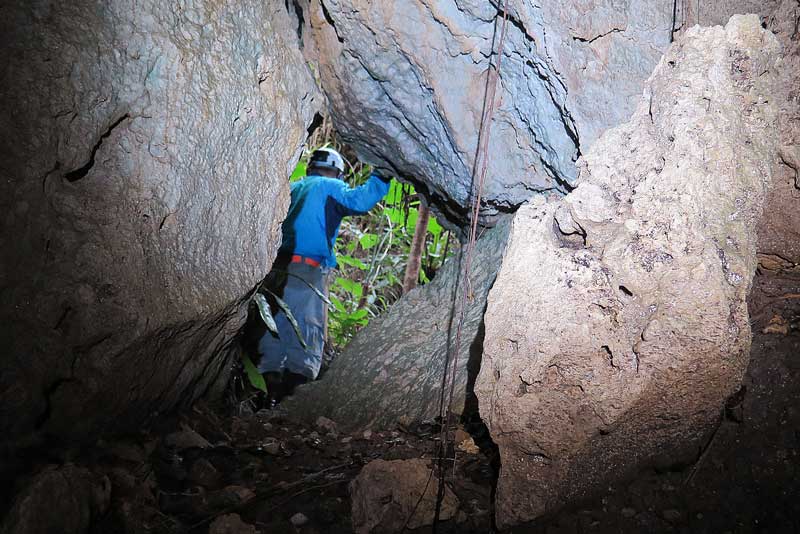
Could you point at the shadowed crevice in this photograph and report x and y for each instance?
(81, 172)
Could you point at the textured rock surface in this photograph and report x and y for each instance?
(144, 157)
(618, 325)
(64, 499)
(386, 495)
(689, 13)
(393, 368)
(779, 232)
(411, 96)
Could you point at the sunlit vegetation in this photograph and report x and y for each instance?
(373, 254)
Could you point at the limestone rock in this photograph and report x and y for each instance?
(716, 13)
(59, 499)
(298, 520)
(385, 494)
(618, 323)
(411, 95)
(325, 424)
(393, 368)
(779, 230)
(143, 156)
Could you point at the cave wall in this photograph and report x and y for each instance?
(618, 323)
(144, 157)
(406, 84)
(779, 229)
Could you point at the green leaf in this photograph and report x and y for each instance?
(265, 313)
(299, 171)
(395, 194)
(434, 227)
(359, 314)
(285, 307)
(413, 215)
(395, 215)
(253, 376)
(423, 277)
(368, 241)
(338, 304)
(354, 288)
(346, 259)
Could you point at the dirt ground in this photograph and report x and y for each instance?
(192, 472)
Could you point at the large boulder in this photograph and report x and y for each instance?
(64, 499)
(618, 323)
(144, 155)
(407, 80)
(393, 368)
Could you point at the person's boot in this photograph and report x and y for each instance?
(274, 381)
(291, 381)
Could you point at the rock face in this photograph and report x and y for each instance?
(779, 231)
(618, 325)
(389, 497)
(59, 499)
(144, 158)
(393, 368)
(411, 95)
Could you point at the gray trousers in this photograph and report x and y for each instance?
(285, 351)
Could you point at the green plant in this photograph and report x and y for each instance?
(372, 252)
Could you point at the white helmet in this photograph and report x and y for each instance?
(327, 158)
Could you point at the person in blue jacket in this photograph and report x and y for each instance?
(319, 203)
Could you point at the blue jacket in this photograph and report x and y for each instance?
(317, 208)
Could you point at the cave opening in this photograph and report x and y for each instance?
(381, 254)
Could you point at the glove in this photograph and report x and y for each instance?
(378, 174)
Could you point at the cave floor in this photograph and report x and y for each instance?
(191, 470)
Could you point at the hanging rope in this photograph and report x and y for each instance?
(482, 158)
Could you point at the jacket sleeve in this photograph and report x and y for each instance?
(358, 200)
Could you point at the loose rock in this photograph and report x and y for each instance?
(203, 473)
(298, 520)
(273, 448)
(325, 424)
(230, 524)
(59, 499)
(385, 494)
(186, 439)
